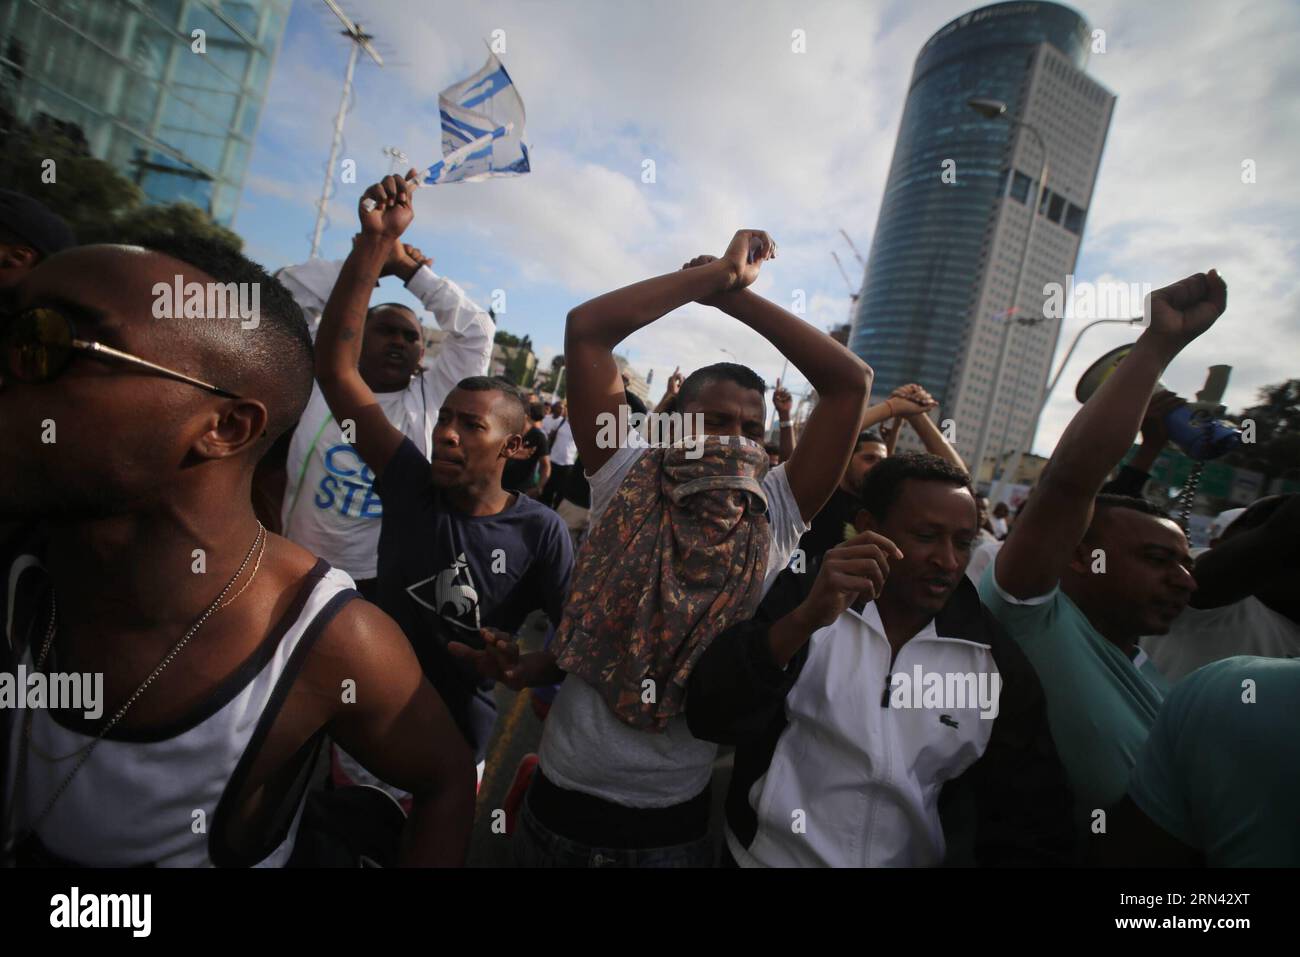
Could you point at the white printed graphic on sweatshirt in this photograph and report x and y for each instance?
(451, 593)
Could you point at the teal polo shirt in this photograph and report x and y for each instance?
(1142, 661)
(1099, 705)
(1221, 768)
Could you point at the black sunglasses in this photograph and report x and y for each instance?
(39, 343)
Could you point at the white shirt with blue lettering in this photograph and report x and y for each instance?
(330, 506)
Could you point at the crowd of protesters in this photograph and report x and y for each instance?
(307, 545)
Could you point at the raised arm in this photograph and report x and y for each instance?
(310, 283)
(782, 402)
(933, 439)
(1054, 520)
(338, 343)
(467, 349)
(593, 329)
(889, 432)
(912, 404)
(842, 381)
(887, 417)
(924, 426)
(886, 422)
(674, 385)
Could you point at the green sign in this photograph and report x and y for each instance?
(1172, 469)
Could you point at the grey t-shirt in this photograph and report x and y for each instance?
(585, 747)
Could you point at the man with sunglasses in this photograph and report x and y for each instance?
(226, 653)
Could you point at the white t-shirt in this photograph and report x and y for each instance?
(564, 451)
(585, 747)
(1202, 635)
(330, 507)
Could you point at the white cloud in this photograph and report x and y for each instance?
(1197, 94)
(746, 133)
(291, 191)
(570, 222)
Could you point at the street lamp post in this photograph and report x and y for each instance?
(1047, 392)
(1042, 402)
(996, 109)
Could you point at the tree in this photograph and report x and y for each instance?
(552, 376)
(1276, 417)
(170, 220)
(97, 201)
(86, 192)
(519, 364)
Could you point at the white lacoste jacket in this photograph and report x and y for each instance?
(853, 783)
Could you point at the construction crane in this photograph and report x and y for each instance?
(853, 296)
(856, 255)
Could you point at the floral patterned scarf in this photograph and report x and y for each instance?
(679, 555)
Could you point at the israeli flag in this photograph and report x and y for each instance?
(482, 128)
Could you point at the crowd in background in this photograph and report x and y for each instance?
(308, 542)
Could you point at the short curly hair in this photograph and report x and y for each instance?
(884, 483)
(275, 360)
(743, 376)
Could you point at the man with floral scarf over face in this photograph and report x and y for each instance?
(685, 539)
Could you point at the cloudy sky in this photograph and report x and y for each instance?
(746, 133)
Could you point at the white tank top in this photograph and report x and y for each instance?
(162, 797)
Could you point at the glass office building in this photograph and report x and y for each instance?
(123, 76)
(940, 247)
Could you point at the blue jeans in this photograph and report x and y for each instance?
(535, 845)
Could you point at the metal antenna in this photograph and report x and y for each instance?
(360, 41)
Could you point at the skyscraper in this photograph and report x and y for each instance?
(130, 80)
(938, 290)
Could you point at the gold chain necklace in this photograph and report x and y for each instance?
(86, 750)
